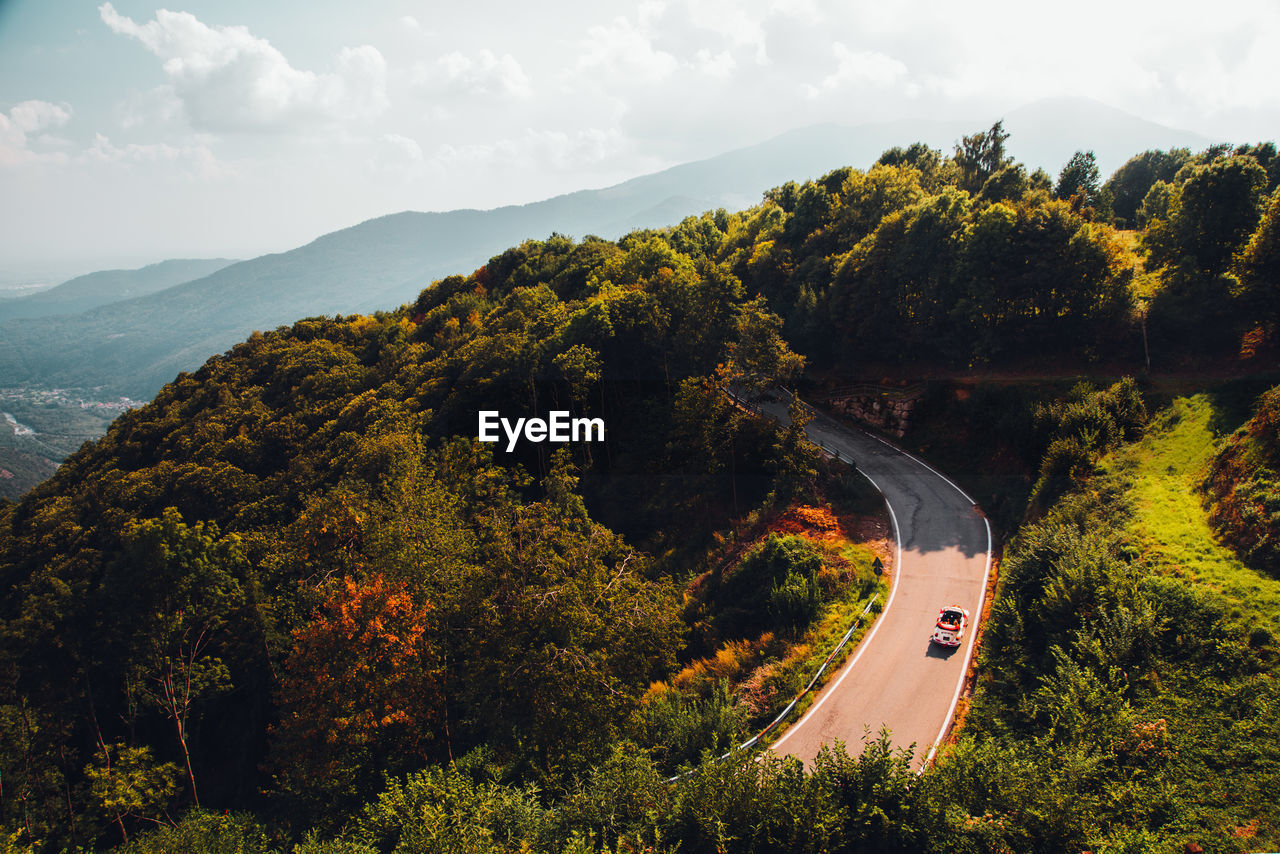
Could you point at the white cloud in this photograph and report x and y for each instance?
(485, 74)
(860, 68)
(649, 11)
(731, 20)
(719, 66)
(195, 161)
(409, 148)
(558, 150)
(806, 11)
(35, 116)
(228, 79)
(159, 106)
(1241, 77)
(517, 102)
(27, 122)
(398, 156)
(28, 119)
(623, 51)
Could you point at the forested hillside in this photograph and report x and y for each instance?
(191, 597)
(295, 586)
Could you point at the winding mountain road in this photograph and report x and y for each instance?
(897, 678)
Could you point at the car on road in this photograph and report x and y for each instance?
(950, 626)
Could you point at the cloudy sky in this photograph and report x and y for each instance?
(131, 133)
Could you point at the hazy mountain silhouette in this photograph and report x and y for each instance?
(134, 346)
(1047, 132)
(94, 289)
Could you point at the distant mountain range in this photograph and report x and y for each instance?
(134, 346)
(94, 289)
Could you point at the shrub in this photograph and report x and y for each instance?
(204, 832)
(774, 586)
(1243, 486)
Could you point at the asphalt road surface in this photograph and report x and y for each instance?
(897, 678)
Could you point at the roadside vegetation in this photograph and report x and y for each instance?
(1132, 651)
(767, 618)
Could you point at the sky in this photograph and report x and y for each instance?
(131, 133)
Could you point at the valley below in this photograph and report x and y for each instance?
(40, 427)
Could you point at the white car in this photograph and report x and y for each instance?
(950, 627)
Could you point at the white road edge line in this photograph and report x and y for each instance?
(968, 656)
(982, 597)
(828, 690)
(911, 456)
(973, 633)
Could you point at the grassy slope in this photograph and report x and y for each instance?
(1224, 740)
(1163, 473)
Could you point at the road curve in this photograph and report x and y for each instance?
(897, 679)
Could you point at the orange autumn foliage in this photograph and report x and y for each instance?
(362, 679)
(806, 519)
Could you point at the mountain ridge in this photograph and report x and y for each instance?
(103, 287)
(134, 346)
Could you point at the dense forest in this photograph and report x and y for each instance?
(293, 605)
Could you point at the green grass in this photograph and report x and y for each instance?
(1162, 474)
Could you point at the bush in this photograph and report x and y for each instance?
(794, 602)
(205, 832)
(1243, 486)
(1075, 431)
(681, 728)
(775, 586)
(455, 808)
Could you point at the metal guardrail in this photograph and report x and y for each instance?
(751, 406)
(782, 716)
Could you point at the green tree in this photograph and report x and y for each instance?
(570, 630)
(759, 357)
(1079, 178)
(185, 590)
(1212, 213)
(795, 462)
(1259, 265)
(1009, 183)
(1036, 277)
(580, 368)
(981, 155)
(917, 154)
(1268, 158)
(705, 428)
(1040, 180)
(1130, 183)
(128, 783)
(205, 832)
(1155, 206)
(893, 292)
